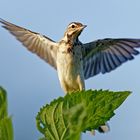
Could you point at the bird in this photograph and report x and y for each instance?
(76, 61)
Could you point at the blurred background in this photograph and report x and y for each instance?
(31, 83)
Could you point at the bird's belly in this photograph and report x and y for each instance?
(70, 73)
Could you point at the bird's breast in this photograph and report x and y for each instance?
(69, 65)
(69, 59)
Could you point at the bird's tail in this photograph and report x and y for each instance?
(104, 128)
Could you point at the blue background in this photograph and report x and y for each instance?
(31, 82)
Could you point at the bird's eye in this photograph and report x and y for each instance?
(73, 26)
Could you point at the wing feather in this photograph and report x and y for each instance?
(105, 55)
(43, 46)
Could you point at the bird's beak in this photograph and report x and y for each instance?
(82, 27)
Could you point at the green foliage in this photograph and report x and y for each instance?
(66, 117)
(3, 103)
(6, 129)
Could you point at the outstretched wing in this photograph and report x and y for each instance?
(44, 47)
(105, 55)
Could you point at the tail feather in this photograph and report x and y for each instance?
(104, 128)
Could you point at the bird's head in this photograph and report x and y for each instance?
(74, 29)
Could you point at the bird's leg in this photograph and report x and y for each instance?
(81, 83)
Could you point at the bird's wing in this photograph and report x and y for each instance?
(102, 56)
(44, 47)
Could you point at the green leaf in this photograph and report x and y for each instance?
(3, 103)
(65, 118)
(76, 116)
(6, 129)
